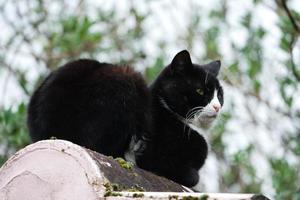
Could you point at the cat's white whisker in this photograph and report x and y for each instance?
(193, 109)
(192, 114)
(196, 107)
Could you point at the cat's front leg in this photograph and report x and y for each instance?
(186, 176)
(194, 149)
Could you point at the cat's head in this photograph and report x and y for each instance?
(192, 91)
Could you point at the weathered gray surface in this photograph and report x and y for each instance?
(51, 170)
(59, 170)
(131, 178)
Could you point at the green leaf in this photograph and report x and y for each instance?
(260, 32)
(285, 42)
(286, 83)
(256, 86)
(246, 20)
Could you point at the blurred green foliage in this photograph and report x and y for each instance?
(13, 130)
(53, 36)
(285, 175)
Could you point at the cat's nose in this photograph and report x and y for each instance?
(216, 107)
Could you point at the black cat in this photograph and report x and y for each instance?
(96, 105)
(186, 98)
(109, 109)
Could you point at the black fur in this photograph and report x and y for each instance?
(96, 105)
(102, 107)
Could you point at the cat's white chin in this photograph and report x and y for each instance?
(204, 121)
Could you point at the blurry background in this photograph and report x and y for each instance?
(255, 146)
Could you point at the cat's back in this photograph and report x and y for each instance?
(87, 71)
(84, 99)
(84, 81)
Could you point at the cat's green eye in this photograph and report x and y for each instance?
(200, 91)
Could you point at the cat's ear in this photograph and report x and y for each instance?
(181, 61)
(213, 67)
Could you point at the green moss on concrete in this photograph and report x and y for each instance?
(138, 195)
(124, 164)
(204, 197)
(190, 198)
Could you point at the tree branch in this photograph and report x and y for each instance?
(284, 6)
